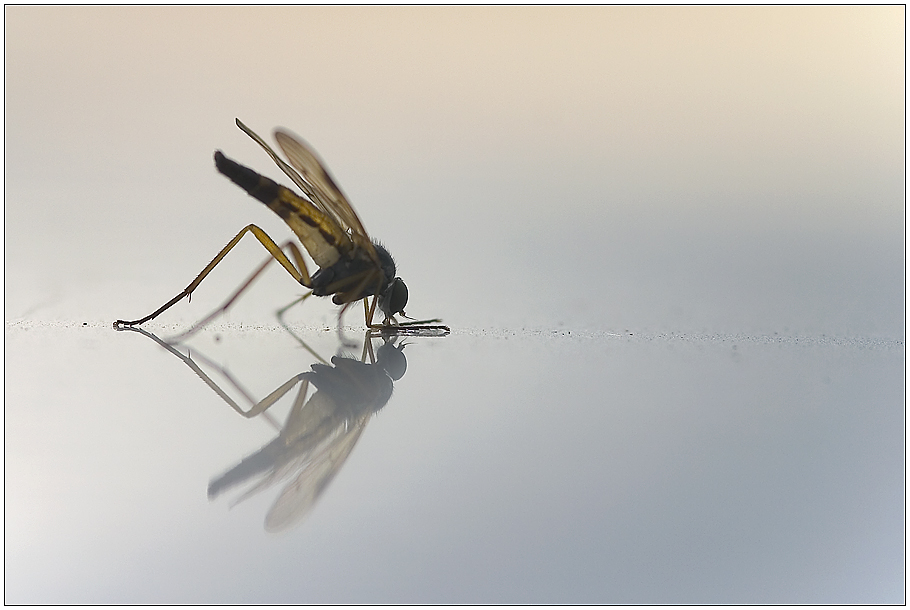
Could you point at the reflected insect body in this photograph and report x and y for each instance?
(351, 266)
(319, 432)
(318, 436)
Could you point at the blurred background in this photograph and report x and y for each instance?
(671, 186)
(715, 168)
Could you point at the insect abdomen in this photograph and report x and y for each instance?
(307, 222)
(257, 185)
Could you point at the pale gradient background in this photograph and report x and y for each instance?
(725, 184)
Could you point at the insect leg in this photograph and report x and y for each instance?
(230, 301)
(280, 391)
(368, 348)
(302, 276)
(358, 289)
(257, 408)
(280, 315)
(368, 311)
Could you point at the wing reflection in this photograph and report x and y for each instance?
(318, 434)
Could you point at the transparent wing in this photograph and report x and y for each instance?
(287, 169)
(326, 192)
(300, 495)
(317, 184)
(309, 217)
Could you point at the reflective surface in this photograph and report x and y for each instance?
(669, 243)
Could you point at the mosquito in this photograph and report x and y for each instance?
(352, 267)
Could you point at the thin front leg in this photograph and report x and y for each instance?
(302, 276)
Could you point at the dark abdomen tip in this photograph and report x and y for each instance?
(260, 187)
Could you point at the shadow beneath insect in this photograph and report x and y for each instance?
(318, 433)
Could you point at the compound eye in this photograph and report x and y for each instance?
(394, 298)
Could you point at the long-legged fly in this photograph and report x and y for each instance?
(351, 266)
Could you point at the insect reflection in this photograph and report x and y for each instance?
(318, 434)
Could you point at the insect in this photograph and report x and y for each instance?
(352, 267)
